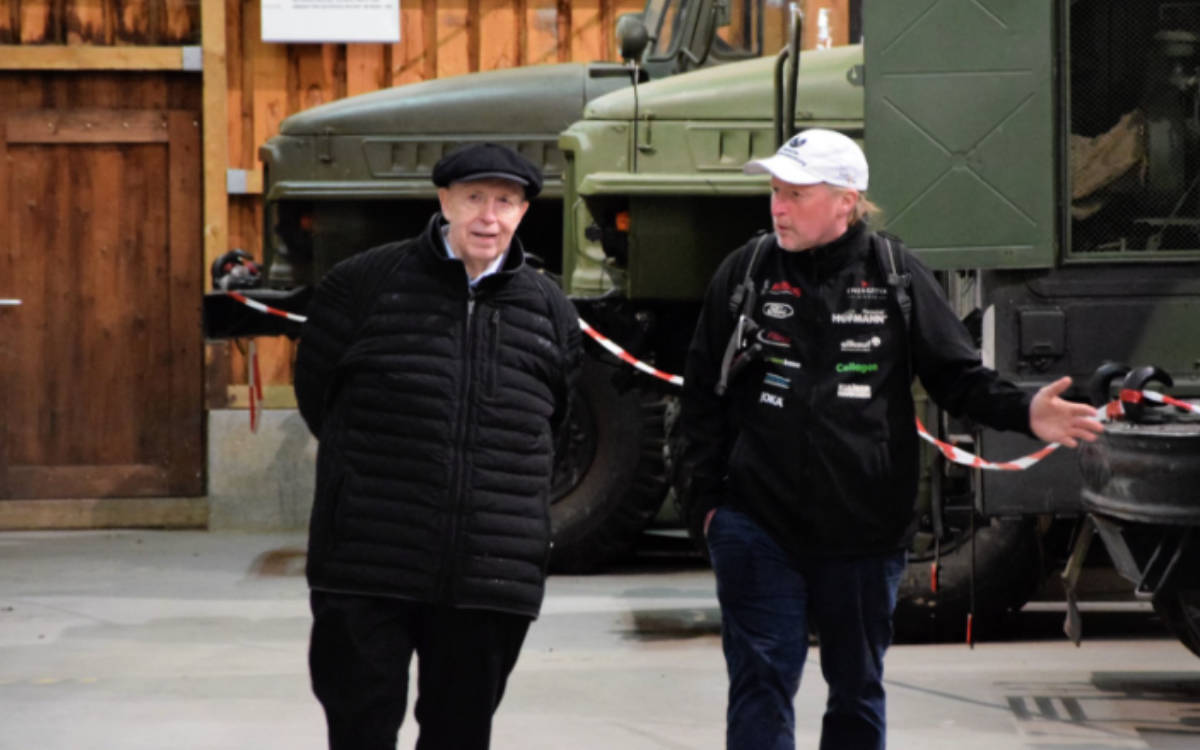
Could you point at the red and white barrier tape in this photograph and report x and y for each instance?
(1107, 412)
(256, 305)
(628, 358)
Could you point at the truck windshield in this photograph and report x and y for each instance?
(740, 37)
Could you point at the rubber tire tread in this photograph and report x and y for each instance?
(1008, 570)
(626, 483)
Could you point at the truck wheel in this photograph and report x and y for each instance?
(1180, 610)
(1008, 570)
(611, 479)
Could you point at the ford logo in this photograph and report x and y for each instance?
(778, 310)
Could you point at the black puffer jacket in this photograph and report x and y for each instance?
(434, 404)
(816, 439)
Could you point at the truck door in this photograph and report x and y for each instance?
(960, 129)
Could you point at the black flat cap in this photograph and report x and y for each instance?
(481, 161)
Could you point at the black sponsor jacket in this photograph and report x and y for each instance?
(434, 404)
(816, 438)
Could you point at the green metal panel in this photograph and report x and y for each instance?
(960, 128)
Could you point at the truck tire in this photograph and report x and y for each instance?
(1180, 610)
(1008, 569)
(611, 479)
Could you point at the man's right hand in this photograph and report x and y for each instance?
(707, 520)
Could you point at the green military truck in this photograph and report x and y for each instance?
(1042, 161)
(1042, 157)
(351, 174)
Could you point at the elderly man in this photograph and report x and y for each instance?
(800, 447)
(434, 372)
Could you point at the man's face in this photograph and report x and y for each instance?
(806, 216)
(483, 215)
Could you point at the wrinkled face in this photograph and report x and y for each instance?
(483, 215)
(806, 216)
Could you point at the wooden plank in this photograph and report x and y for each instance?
(452, 42)
(274, 397)
(585, 31)
(104, 513)
(270, 89)
(240, 122)
(315, 75)
(41, 21)
(563, 34)
(775, 28)
(216, 374)
(497, 37)
(410, 56)
(186, 287)
(87, 22)
(826, 23)
(182, 22)
(542, 31)
(84, 57)
(366, 68)
(10, 354)
(216, 129)
(87, 126)
(520, 32)
(10, 21)
(137, 22)
(474, 35)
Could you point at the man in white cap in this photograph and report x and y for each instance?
(800, 458)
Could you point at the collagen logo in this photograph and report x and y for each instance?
(861, 317)
(854, 390)
(859, 367)
(861, 345)
(782, 287)
(777, 310)
(770, 399)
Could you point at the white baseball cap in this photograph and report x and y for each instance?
(815, 155)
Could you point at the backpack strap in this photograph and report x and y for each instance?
(890, 256)
(743, 298)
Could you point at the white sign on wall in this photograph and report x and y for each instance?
(331, 20)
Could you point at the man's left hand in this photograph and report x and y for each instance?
(1057, 420)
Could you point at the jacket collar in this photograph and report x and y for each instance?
(434, 247)
(833, 256)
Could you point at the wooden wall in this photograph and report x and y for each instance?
(266, 82)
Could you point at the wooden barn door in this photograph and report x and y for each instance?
(101, 362)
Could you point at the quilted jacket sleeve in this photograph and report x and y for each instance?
(332, 320)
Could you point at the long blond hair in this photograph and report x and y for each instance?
(863, 208)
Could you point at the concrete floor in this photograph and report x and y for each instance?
(181, 640)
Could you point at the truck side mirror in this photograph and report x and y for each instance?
(632, 36)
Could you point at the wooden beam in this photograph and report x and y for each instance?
(89, 57)
(216, 132)
(105, 513)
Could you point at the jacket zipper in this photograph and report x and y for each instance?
(459, 478)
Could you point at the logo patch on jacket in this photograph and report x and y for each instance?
(782, 287)
(771, 338)
(854, 390)
(859, 367)
(861, 317)
(864, 290)
(770, 399)
(861, 345)
(784, 362)
(777, 381)
(777, 310)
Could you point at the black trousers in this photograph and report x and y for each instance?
(359, 657)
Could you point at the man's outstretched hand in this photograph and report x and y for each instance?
(1057, 420)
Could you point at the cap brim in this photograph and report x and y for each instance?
(493, 176)
(782, 168)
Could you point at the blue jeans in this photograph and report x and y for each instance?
(768, 600)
